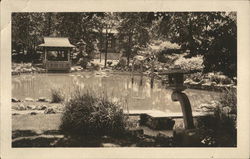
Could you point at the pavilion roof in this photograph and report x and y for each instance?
(56, 42)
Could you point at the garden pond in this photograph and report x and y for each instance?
(116, 86)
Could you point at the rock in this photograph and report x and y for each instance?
(156, 123)
(226, 109)
(30, 107)
(21, 107)
(38, 107)
(14, 72)
(33, 113)
(206, 84)
(215, 103)
(49, 111)
(15, 100)
(205, 107)
(109, 145)
(33, 69)
(41, 70)
(42, 99)
(194, 83)
(229, 85)
(213, 83)
(136, 131)
(105, 137)
(149, 140)
(21, 70)
(72, 69)
(188, 81)
(78, 69)
(43, 107)
(29, 99)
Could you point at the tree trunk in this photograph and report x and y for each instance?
(101, 46)
(132, 72)
(130, 49)
(106, 53)
(152, 74)
(141, 71)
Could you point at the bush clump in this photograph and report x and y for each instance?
(56, 96)
(86, 114)
(193, 63)
(220, 78)
(221, 128)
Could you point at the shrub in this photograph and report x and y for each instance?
(222, 79)
(83, 62)
(221, 128)
(95, 66)
(56, 96)
(228, 98)
(197, 77)
(86, 114)
(122, 62)
(193, 63)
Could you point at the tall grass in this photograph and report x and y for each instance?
(56, 95)
(89, 114)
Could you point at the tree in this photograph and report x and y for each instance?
(212, 34)
(27, 29)
(133, 32)
(108, 23)
(81, 27)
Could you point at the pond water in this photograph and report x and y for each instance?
(117, 87)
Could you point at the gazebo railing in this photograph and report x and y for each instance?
(57, 65)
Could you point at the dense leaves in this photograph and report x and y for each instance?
(133, 32)
(210, 34)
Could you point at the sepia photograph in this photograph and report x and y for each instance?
(124, 79)
(116, 79)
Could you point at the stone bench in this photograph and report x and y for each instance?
(158, 113)
(159, 120)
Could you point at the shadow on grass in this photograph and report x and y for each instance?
(54, 138)
(29, 138)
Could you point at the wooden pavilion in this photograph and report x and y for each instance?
(57, 53)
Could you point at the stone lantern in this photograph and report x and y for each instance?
(175, 82)
(176, 79)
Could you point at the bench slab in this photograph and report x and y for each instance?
(161, 114)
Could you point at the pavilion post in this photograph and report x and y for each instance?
(68, 54)
(45, 55)
(45, 58)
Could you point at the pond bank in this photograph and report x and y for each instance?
(28, 68)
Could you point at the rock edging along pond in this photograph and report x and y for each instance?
(27, 68)
(206, 84)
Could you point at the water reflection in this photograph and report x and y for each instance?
(116, 87)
